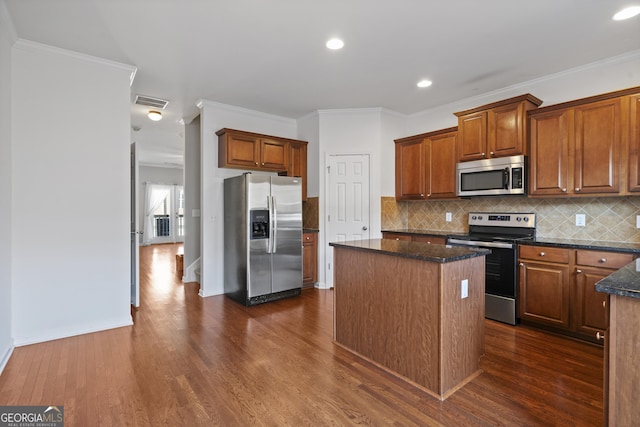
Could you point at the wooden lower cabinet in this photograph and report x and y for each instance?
(556, 289)
(309, 259)
(439, 240)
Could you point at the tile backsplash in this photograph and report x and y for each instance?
(607, 218)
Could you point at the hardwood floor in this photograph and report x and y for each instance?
(194, 361)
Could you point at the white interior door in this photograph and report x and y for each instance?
(135, 229)
(348, 203)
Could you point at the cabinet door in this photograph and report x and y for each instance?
(549, 160)
(590, 312)
(309, 259)
(274, 154)
(298, 165)
(411, 170)
(634, 143)
(506, 135)
(544, 293)
(441, 166)
(598, 141)
(241, 151)
(472, 136)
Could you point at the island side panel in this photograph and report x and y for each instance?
(387, 310)
(462, 322)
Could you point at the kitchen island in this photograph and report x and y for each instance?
(622, 375)
(414, 309)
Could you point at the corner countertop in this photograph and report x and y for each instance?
(624, 282)
(416, 250)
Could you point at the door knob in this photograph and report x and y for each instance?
(364, 227)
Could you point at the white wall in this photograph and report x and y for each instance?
(71, 167)
(7, 38)
(213, 117)
(609, 75)
(191, 197)
(309, 130)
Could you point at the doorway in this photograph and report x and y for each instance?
(164, 214)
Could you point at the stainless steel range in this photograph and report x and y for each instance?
(500, 232)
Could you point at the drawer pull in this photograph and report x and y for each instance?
(599, 336)
(564, 190)
(603, 260)
(578, 271)
(604, 304)
(542, 254)
(521, 264)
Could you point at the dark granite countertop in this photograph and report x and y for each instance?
(601, 245)
(421, 232)
(416, 250)
(310, 230)
(624, 282)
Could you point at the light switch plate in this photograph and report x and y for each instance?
(448, 217)
(464, 284)
(581, 220)
(637, 221)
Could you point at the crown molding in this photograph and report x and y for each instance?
(7, 24)
(28, 45)
(202, 103)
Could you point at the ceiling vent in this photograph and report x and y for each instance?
(151, 102)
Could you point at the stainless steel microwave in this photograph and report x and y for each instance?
(492, 177)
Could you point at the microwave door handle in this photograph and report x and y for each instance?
(505, 179)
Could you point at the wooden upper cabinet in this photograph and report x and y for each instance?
(253, 151)
(550, 153)
(441, 165)
(495, 130)
(410, 169)
(598, 142)
(298, 164)
(580, 147)
(426, 166)
(634, 143)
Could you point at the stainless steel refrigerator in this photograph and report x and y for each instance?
(262, 237)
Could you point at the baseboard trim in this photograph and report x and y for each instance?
(6, 357)
(71, 332)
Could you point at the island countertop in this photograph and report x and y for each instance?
(624, 282)
(416, 250)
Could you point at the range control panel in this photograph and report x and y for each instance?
(527, 219)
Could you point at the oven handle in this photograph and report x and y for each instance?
(500, 245)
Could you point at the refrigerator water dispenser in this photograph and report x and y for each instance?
(259, 224)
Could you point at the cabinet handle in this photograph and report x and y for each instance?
(564, 190)
(604, 304)
(542, 254)
(603, 260)
(599, 336)
(578, 271)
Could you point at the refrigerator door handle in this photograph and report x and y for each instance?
(275, 225)
(269, 210)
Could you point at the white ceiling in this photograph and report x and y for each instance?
(270, 56)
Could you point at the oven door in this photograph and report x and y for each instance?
(500, 279)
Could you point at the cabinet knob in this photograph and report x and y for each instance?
(491, 153)
(421, 194)
(604, 304)
(307, 238)
(262, 163)
(599, 336)
(484, 155)
(542, 254)
(578, 271)
(564, 190)
(521, 264)
(256, 163)
(603, 260)
(577, 190)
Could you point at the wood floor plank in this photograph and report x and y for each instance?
(198, 361)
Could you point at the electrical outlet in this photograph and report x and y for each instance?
(637, 221)
(581, 220)
(448, 217)
(464, 288)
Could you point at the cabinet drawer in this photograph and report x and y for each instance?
(396, 236)
(603, 259)
(308, 237)
(544, 253)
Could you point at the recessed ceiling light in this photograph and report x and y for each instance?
(627, 13)
(425, 83)
(335, 44)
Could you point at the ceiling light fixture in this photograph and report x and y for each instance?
(155, 115)
(627, 13)
(335, 44)
(424, 83)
